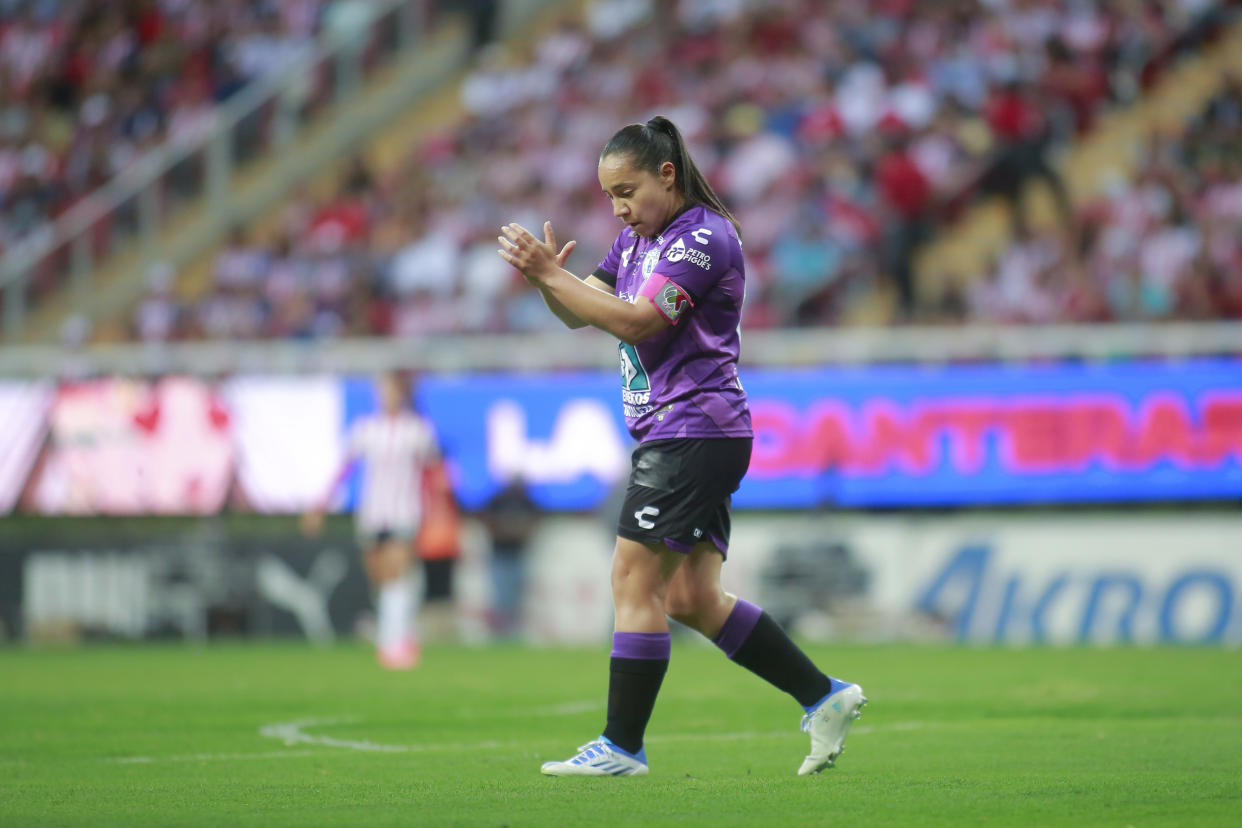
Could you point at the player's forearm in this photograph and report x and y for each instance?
(595, 307)
(562, 313)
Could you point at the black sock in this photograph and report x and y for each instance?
(768, 652)
(633, 684)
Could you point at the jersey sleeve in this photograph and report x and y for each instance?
(611, 265)
(698, 257)
(689, 267)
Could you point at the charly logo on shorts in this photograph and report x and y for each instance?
(672, 300)
(642, 514)
(677, 252)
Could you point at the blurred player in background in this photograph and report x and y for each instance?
(398, 451)
(671, 290)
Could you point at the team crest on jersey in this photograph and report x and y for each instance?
(649, 262)
(672, 300)
(677, 252)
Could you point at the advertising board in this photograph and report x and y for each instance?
(866, 437)
(882, 436)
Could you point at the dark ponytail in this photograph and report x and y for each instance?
(651, 144)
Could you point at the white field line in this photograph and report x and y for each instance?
(295, 733)
(213, 757)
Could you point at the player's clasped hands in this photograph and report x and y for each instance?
(534, 258)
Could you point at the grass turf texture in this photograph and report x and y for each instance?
(171, 736)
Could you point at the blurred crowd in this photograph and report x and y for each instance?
(841, 134)
(88, 87)
(1165, 244)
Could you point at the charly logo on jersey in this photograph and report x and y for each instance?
(625, 257)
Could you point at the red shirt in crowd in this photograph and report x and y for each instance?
(1012, 116)
(903, 185)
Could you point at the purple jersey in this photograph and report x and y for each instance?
(683, 381)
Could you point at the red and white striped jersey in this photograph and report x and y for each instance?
(394, 451)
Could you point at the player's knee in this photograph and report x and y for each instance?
(690, 605)
(633, 585)
(623, 575)
(680, 608)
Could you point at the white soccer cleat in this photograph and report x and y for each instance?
(599, 758)
(828, 725)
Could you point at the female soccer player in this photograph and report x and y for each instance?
(671, 290)
(398, 450)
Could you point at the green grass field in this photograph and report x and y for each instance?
(280, 734)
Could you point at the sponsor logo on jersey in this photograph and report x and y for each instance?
(699, 258)
(633, 412)
(672, 300)
(677, 252)
(625, 257)
(636, 398)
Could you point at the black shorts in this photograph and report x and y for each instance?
(438, 573)
(680, 491)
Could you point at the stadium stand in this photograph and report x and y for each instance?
(844, 136)
(87, 88)
(839, 132)
(198, 99)
(1163, 245)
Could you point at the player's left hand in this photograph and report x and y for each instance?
(535, 259)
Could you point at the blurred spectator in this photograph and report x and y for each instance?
(511, 518)
(1021, 135)
(906, 194)
(158, 316)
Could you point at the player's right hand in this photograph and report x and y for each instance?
(535, 259)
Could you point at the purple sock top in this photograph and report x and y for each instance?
(650, 646)
(737, 627)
